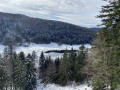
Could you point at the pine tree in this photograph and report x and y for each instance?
(79, 64)
(3, 75)
(5, 53)
(42, 64)
(10, 51)
(21, 71)
(34, 56)
(55, 78)
(66, 70)
(14, 69)
(11, 64)
(63, 79)
(21, 56)
(50, 71)
(107, 69)
(30, 74)
(71, 64)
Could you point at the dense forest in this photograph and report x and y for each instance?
(18, 71)
(64, 70)
(15, 28)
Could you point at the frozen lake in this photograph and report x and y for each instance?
(38, 48)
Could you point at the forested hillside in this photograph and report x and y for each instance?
(16, 28)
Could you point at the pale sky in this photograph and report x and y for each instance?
(79, 12)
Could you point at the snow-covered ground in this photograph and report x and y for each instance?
(69, 87)
(1, 48)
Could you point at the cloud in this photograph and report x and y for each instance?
(81, 20)
(79, 12)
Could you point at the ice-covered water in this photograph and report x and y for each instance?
(46, 47)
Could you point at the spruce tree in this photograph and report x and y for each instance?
(10, 51)
(79, 64)
(71, 64)
(34, 56)
(107, 73)
(63, 79)
(42, 64)
(5, 53)
(30, 74)
(66, 70)
(14, 70)
(50, 71)
(3, 75)
(55, 78)
(21, 71)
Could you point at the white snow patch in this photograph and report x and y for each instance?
(69, 87)
(1, 48)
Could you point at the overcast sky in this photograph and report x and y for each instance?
(79, 12)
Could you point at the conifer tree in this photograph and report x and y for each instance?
(3, 75)
(71, 64)
(14, 70)
(50, 71)
(56, 75)
(65, 70)
(107, 73)
(34, 56)
(21, 71)
(10, 51)
(63, 79)
(5, 53)
(79, 64)
(30, 74)
(42, 64)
